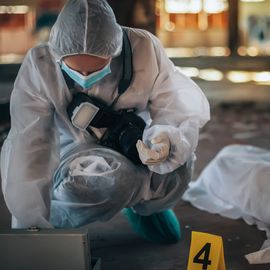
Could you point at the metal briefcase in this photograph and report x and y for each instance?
(46, 249)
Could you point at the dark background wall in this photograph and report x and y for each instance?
(135, 13)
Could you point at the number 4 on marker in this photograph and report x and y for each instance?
(205, 261)
(206, 252)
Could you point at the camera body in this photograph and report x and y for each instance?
(121, 129)
(124, 135)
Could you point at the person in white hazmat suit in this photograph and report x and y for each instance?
(56, 175)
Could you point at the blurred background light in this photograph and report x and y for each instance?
(176, 6)
(242, 51)
(189, 71)
(11, 58)
(219, 51)
(252, 1)
(252, 51)
(217, 6)
(169, 26)
(210, 75)
(263, 76)
(179, 52)
(239, 76)
(263, 83)
(20, 9)
(195, 6)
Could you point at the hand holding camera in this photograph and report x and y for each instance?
(158, 152)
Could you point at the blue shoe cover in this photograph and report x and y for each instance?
(162, 228)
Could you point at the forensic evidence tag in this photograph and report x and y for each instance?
(206, 252)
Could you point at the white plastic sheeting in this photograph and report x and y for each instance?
(236, 184)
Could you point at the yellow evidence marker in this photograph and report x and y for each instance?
(206, 252)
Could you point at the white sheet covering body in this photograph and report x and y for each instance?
(236, 184)
(41, 133)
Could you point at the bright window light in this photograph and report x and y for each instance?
(195, 6)
(176, 6)
(183, 6)
(216, 6)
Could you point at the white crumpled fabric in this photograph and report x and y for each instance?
(236, 184)
(91, 184)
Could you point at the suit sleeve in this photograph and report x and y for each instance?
(30, 153)
(177, 107)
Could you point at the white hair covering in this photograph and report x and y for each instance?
(86, 27)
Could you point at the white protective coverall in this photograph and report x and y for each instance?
(55, 174)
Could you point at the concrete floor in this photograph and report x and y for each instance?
(120, 249)
(240, 114)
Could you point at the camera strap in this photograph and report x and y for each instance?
(127, 72)
(127, 65)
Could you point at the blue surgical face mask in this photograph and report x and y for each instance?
(86, 81)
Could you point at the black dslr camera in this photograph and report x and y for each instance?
(118, 130)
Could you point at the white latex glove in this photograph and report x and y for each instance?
(159, 151)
